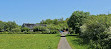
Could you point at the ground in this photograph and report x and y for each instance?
(29, 41)
(63, 44)
(75, 42)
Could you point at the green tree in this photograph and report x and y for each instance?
(25, 29)
(76, 20)
(9, 26)
(47, 21)
(95, 30)
(1, 26)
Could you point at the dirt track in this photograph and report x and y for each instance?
(63, 44)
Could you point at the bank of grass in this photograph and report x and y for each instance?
(76, 42)
(29, 41)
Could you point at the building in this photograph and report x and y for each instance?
(31, 26)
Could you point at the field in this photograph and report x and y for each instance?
(75, 42)
(29, 41)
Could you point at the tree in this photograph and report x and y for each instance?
(9, 26)
(96, 30)
(76, 20)
(47, 21)
(1, 25)
(25, 29)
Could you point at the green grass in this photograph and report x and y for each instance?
(29, 41)
(75, 42)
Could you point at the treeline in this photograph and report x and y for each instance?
(94, 30)
(9, 27)
(53, 27)
(59, 24)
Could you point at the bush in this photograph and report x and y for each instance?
(54, 31)
(53, 27)
(45, 32)
(16, 30)
(38, 32)
(71, 31)
(25, 29)
(39, 28)
(4, 32)
(94, 31)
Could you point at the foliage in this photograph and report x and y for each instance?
(39, 28)
(1, 26)
(76, 20)
(71, 31)
(53, 31)
(55, 21)
(17, 29)
(57, 24)
(54, 26)
(25, 29)
(94, 31)
(9, 26)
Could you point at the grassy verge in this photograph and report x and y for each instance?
(75, 42)
(29, 41)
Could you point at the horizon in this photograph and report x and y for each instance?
(34, 11)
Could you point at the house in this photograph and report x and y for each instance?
(31, 26)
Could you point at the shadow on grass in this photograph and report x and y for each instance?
(80, 41)
(77, 40)
(72, 35)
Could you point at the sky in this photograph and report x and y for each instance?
(34, 11)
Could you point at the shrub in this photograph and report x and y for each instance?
(16, 30)
(45, 32)
(54, 31)
(39, 28)
(94, 31)
(53, 27)
(25, 29)
(38, 32)
(4, 32)
(71, 31)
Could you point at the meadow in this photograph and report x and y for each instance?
(76, 42)
(29, 41)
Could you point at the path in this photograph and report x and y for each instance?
(63, 44)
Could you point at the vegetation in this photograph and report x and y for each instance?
(53, 27)
(58, 24)
(76, 20)
(76, 42)
(29, 41)
(25, 29)
(94, 29)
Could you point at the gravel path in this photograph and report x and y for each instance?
(63, 44)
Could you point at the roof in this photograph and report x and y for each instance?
(31, 26)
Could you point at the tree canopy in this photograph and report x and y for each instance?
(76, 20)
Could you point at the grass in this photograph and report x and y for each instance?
(29, 41)
(75, 42)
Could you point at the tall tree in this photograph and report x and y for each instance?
(76, 20)
(1, 25)
(10, 25)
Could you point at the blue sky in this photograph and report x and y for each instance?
(33, 11)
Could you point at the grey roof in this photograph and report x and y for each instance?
(31, 26)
